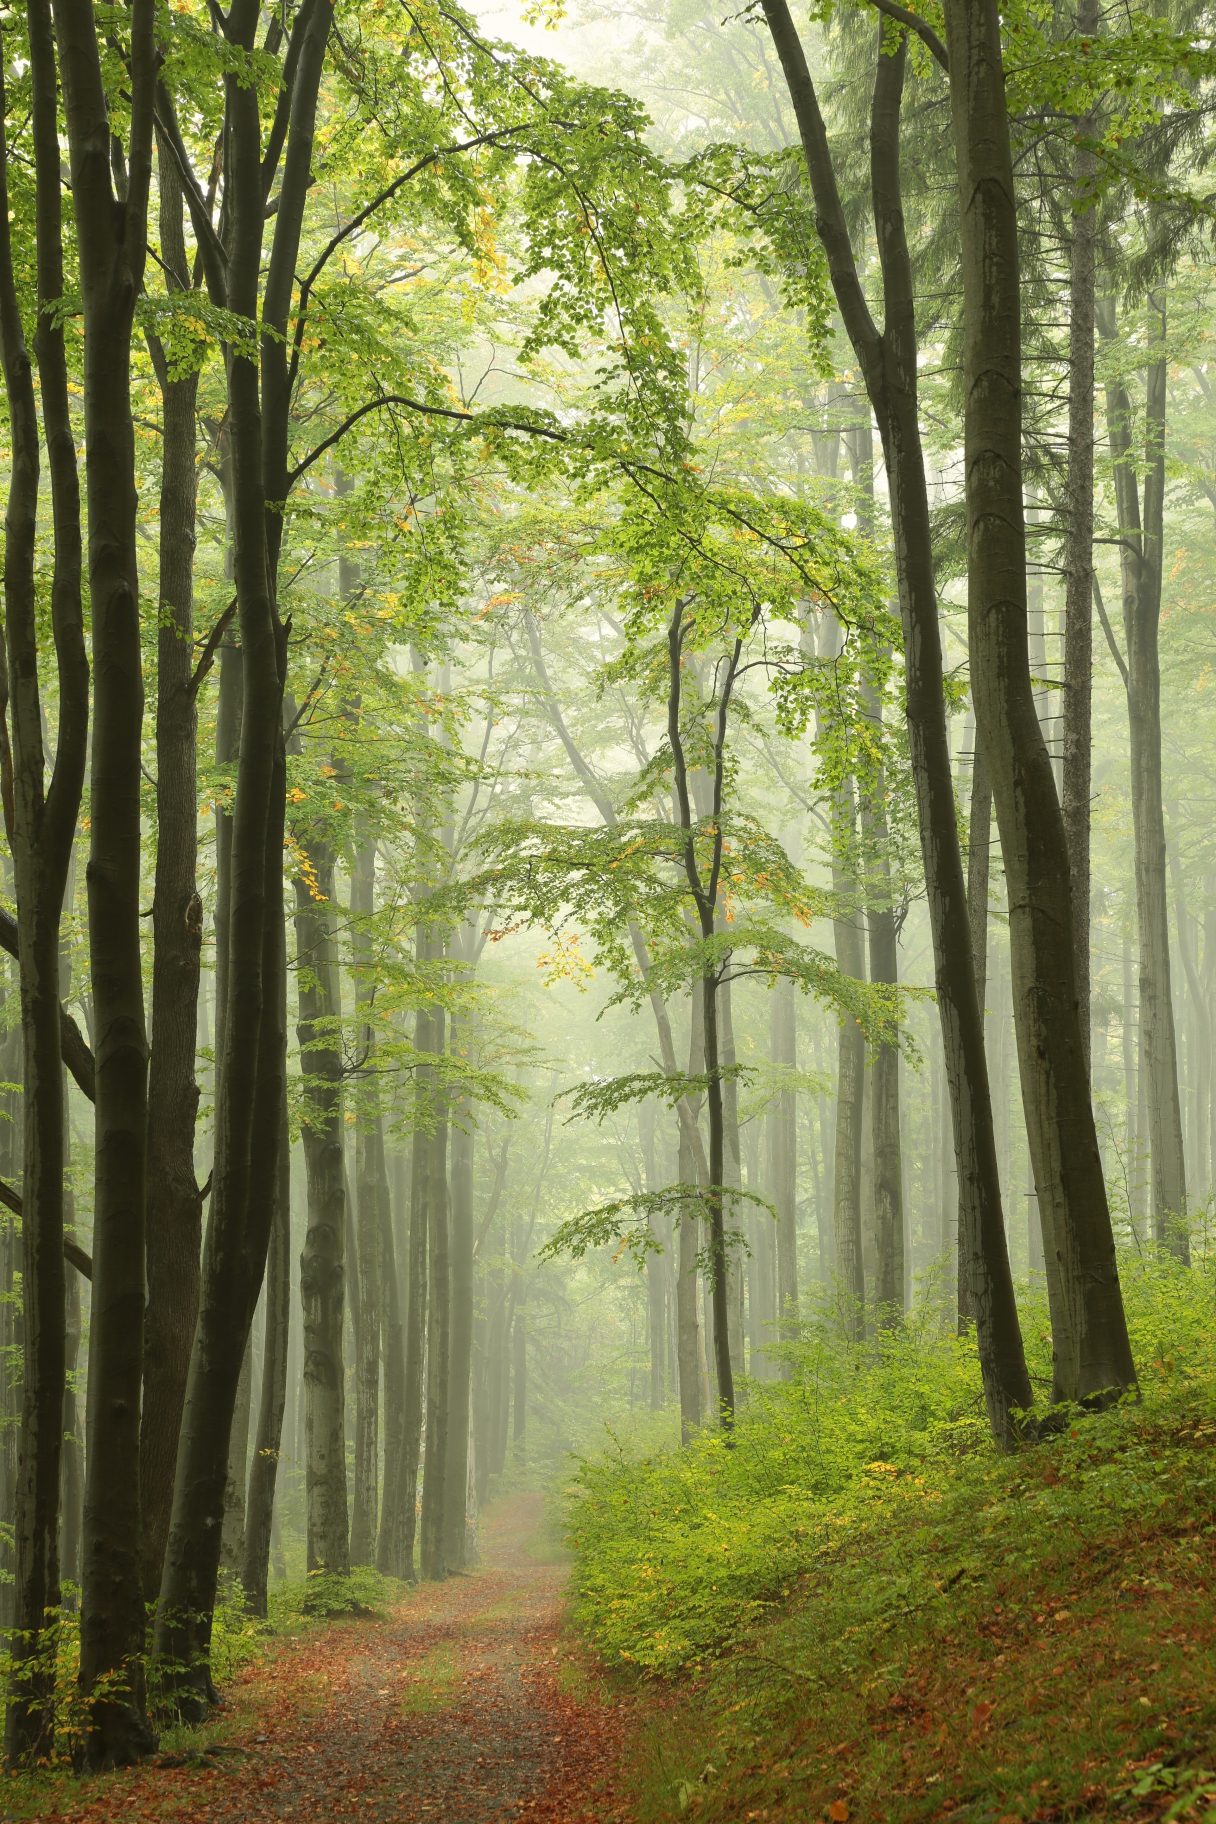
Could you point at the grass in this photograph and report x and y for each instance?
(929, 1631)
(434, 1680)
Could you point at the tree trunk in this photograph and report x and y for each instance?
(175, 1208)
(456, 1553)
(232, 1537)
(783, 1161)
(371, 1188)
(1141, 551)
(439, 1328)
(416, 1272)
(112, 241)
(322, 1263)
(1092, 1354)
(1077, 722)
(850, 1071)
(888, 362)
(251, 1064)
(40, 824)
(391, 1556)
(268, 1437)
(979, 839)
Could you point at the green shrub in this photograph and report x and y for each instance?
(677, 1551)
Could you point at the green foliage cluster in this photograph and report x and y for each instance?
(678, 1552)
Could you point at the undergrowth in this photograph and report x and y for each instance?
(238, 1638)
(862, 1610)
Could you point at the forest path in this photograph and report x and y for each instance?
(460, 1706)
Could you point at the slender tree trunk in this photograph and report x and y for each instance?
(460, 1374)
(979, 839)
(112, 241)
(390, 1547)
(850, 1064)
(888, 362)
(783, 1162)
(1077, 725)
(268, 1437)
(40, 825)
(174, 1224)
(416, 1271)
(519, 1383)
(1091, 1349)
(370, 1188)
(322, 1263)
(439, 1327)
(251, 1062)
(1141, 550)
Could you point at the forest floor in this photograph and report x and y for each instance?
(463, 1705)
(1038, 1648)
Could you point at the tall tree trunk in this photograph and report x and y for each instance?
(112, 240)
(322, 1263)
(703, 890)
(40, 824)
(1141, 551)
(655, 1288)
(783, 1161)
(391, 1556)
(251, 1063)
(268, 1436)
(439, 1327)
(850, 1077)
(979, 838)
(460, 1374)
(175, 1207)
(416, 1271)
(371, 1187)
(1077, 722)
(888, 362)
(1092, 1355)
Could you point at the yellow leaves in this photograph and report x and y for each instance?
(295, 795)
(565, 962)
(882, 1469)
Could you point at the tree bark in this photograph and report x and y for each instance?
(703, 888)
(252, 1061)
(371, 1187)
(888, 362)
(1092, 1354)
(322, 1263)
(439, 1324)
(416, 1272)
(979, 838)
(783, 1163)
(268, 1437)
(455, 1542)
(1141, 529)
(40, 824)
(1077, 719)
(175, 1205)
(112, 241)
(390, 1546)
(850, 1073)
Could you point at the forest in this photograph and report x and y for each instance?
(608, 911)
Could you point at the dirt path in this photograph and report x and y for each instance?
(461, 1706)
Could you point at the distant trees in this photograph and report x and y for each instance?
(585, 668)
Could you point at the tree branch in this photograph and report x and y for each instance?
(924, 31)
(73, 1253)
(72, 1042)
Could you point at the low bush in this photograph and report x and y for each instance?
(679, 1551)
